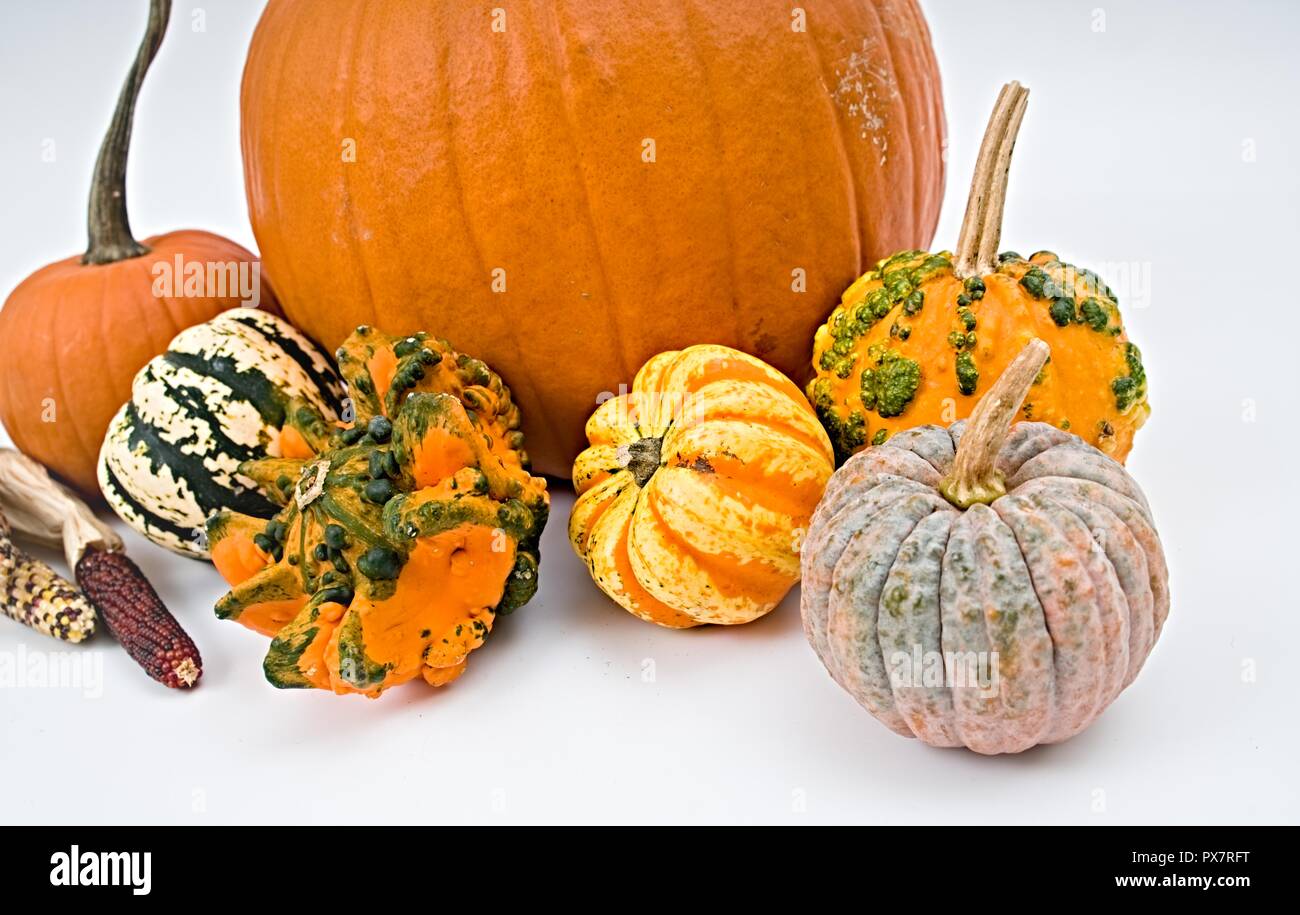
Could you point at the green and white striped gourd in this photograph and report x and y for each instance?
(982, 585)
(219, 396)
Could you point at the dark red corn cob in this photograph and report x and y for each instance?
(138, 619)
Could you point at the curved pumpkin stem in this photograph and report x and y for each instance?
(108, 225)
(981, 227)
(974, 476)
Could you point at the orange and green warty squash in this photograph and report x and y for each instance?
(401, 537)
(697, 486)
(985, 585)
(919, 338)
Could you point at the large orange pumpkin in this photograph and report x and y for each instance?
(568, 189)
(74, 333)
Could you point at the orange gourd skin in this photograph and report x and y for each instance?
(905, 316)
(401, 538)
(73, 336)
(589, 184)
(696, 488)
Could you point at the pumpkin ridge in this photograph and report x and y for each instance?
(726, 366)
(194, 400)
(1140, 618)
(859, 229)
(1139, 524)
(1065, 623)
(908, 440)
(149, 309)
(189, 472)
(777, 492)
(1027, 440)
(908, 628)
(845, 622)
(922, 61)
(718, 565)
(962, 624)
(1112, 602)
(727, 583)
(841, 488)
(613, 522)
(267, 400)
(1074, 464)
(720, 165)
(814, 443)
(564, 95)
(541, 431)
(904, 126)
(648, 606)
(107, 355)
(1010, 663)
(1053, 685)
(260, 226)
(1030, 485)
(818, 545)
(581, 523)
(357, 30)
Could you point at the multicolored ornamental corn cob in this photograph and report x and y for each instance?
(35, 595)
(110, 582)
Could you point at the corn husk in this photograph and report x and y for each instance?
(47, 512)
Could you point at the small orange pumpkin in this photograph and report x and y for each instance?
(697, 487)
(74, 333)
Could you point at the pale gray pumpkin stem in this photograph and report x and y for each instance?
(981, 227)
(108, 225)
(975, 476)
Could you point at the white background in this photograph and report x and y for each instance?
(1164, 145)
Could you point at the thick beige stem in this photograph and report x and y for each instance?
(981, 227)
(49, 513)
(975, 476)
